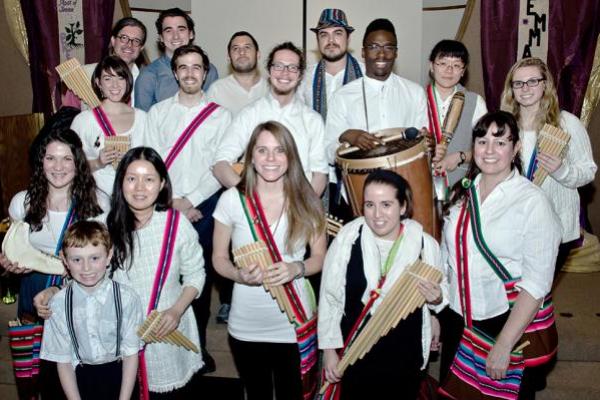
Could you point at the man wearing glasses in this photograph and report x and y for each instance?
(245, 84)
(127, 40)
(377, 101)
(156, 82)
(286, 66)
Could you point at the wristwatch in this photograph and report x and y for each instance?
(463, 158)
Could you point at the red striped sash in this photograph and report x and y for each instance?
(188, 132)
(103, 122)
(433, 115)
(162, 271)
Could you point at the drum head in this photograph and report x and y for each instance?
(386, 149)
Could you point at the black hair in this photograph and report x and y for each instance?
(505, 122)
(188, 49)
(403, 191)
(450, 48)
(61, 120)
(129, 21)
(121, 220)
(113, 64)
(241, 33)
(380, 24)
(174, 12)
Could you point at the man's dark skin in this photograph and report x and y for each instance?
(379, 64)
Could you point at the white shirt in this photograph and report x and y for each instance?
(332, 83)
(230, 94)
(95, 326)
(169, 367)
(305, 125)
(254, 315)
(190, 173)
(46, 238)
(89, 71)
(333, 285)
(578, 169)
(92, 137)
(521, 229)
(393, 103)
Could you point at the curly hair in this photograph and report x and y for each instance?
(82, 189)
(306, 219)
(549, 111)
(121, 220)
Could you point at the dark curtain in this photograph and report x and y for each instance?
(572, 36)
(42, 32)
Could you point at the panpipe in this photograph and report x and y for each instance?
(73, 75)
(147, 334)
(257, 253)
(333, 225)
(452, 117)
(402, 299)
(553, 141)
(121, 143)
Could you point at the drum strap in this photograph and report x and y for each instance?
(364, 96)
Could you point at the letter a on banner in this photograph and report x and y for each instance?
(70, 30)
(533, 29)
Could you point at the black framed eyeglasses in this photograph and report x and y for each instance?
(376, 48)
(124, 39)
(532, 82)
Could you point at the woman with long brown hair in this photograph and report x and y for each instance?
(530, 95)
(273, 203)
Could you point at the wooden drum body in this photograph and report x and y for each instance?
(408, 158)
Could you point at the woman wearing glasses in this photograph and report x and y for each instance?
(529, 94)
(113, 120)
(448, 63)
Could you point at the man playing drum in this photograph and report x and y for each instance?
(380, 100)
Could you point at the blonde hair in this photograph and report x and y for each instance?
(306, 219)
(549, 111)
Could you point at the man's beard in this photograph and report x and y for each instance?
(334, 58)
(243, 68)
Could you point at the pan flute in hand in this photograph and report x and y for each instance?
(553, 141)
(257, 253)
(73, 75)
(147, 333)
(121, 143)
(402, 299)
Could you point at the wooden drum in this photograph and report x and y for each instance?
(406, 157)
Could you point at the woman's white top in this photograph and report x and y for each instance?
(415, 244)
(578, 169)
(521, 229)
(254, 315)
(169, 367)
(92, 137)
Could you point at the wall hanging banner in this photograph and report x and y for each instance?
(534, 17)
(70, 29)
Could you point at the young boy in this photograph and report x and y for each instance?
(91, 333)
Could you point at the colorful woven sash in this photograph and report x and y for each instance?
(305, 325)
(162, 271)
(188, 132)
(103, 122)
(467, 378)
(333, 391)
(25, 340)
(533, 164)
(351, 73)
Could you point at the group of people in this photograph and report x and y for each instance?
(176, 204)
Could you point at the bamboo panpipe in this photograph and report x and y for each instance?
(553, 141)
(402, 299)
(257, 253)
(75, 78)
(147, 334)
(119, 143)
